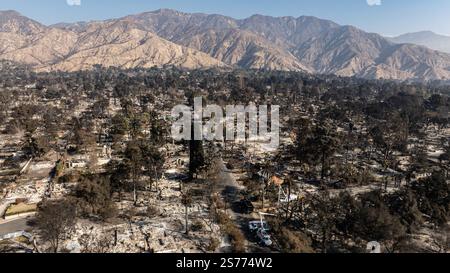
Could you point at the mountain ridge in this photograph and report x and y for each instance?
(198, 40)
(425, 38)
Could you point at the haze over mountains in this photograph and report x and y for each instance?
(168, 37)
(425, 38)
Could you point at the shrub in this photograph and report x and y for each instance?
(294, 242)
(197, 226)
(235, 234)
(237, 238)
(214, 243)
(222, 219)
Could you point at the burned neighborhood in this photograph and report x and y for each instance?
(173, 132)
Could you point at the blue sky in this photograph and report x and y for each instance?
(388, 17)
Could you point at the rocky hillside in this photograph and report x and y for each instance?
(115, 43)
(168, 37)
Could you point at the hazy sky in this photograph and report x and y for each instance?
(388, 17)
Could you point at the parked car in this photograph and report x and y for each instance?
(256, 225)
(264, 237)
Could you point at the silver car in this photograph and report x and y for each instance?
(264, 237)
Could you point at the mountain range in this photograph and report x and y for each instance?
(425, 38)
(196, 40)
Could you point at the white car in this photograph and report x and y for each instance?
(255, 225)
(264, 237)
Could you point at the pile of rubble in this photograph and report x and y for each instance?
(164, 232)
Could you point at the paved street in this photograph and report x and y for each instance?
(12, 226)
(230, 192)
